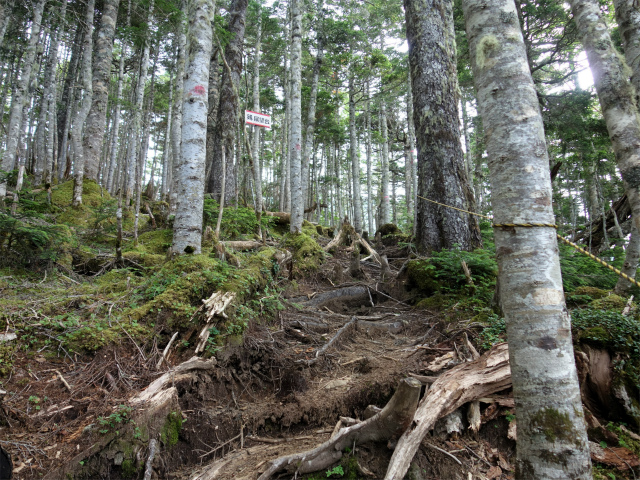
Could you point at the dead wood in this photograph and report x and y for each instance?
(464, 383)
(242, 245)
(312, 326)
(214, 305)
(166, 350)
(333, 340)
(394, 418)
(281, 218)
(394, 327)
(593, 233)
(340, 293)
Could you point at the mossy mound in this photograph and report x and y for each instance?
(611, 302)
(155, 241)
(422, 275)
(307, 254)
(147, 260)
(593, 292)
(92, 194)
(388, 229)
(309, 229)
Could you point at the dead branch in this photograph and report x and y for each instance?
(153, 448)
(282, 218)
(353, 291)
(339, 333)
(394, 418)
(166, 350)
(464, 383)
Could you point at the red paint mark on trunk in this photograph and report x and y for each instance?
(199, 90)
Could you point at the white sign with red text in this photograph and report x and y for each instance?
(259, 119)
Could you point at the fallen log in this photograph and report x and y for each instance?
(345, 292)
(464, 383)
(333, 340)
(392, 420)
(241, 245)
(281, 218)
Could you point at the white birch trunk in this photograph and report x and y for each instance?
(628, 17)
(355, 160)
(552, 440)
(19, 96)
(5, 15)
(257, 161)
(176, 127)
(295, 145)
(166, 149)
(115, 133)
(190, 165)
(616, 95)
(384, 175)
(85, 105)
(370, 203)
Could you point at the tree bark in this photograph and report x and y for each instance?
(189, 180)
(628, 17)
(311, 115)
(257, 160)
(355, 159)
(20, 94)
(370, 202)
(384, 175)
(176, 128)
(441, 174)
(85, 105)
(552, 440)
(227, 122)
(630, 267)
(97, 118)
(295, 145)
(5, 15)
(616, 96)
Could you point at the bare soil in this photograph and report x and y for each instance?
(267, 397)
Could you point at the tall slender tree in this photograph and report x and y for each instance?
(190, 166)
(295, 145)
(97, 119)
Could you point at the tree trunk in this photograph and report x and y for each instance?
(441, 176)
(67, 102)
(370, 202)
(355, 160)
(257, 158)
(311, 117)
(176, 128)
(227, 122)
(85, 105)
(20, 96)
(295, 145)
(190, 166)
(552, 440)
(384, 175)
(115, 130)
(615, 94)
(5, 15)
(630, 267)
(628, 17)
(166, 149)
(97, 118)
(138, 107)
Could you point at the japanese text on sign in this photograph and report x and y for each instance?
(259, 119)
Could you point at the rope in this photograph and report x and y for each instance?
(549, 225)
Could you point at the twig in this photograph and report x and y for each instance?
(478, 456)
(443, 451)
(327, 345)
(66, 384)
(131, 338)
(220, 446)
(166, 350)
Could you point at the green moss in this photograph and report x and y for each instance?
(7, 349)
(155, 241)
(554, 425)
(171, 429)
(62, 195)
(388, 229)
(611, 302)
(422, 274)
(143, 259)
(307, 254)
(593, 292)
(485, 46)
(309, 229)
(129, 468)
(437, 301)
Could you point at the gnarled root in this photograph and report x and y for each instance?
(394, 418)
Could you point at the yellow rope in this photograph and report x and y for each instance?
(550, 225)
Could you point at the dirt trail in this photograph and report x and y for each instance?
(277, 392)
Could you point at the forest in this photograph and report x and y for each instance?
(251, 239)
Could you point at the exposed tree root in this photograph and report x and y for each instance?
(345, 292)
(333, 340)
(394, 418)
(466, 382)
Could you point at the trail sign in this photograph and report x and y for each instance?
(259, 119)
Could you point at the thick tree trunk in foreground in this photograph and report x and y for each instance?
(616, 96)
(190, 166)
(552, 440)
(630, 267)
(19, 96)
(176, 127)
(85, 105)
(95, 128)
(441, 174)
(628, 17)
(5, 15)
(295, 145)
(257, 161)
